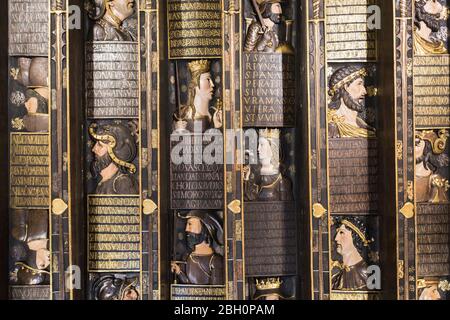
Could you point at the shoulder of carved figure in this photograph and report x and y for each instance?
(124, 184)
(255, 27)
(98, 32)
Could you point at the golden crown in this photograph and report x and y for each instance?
(199, 66)
(268, 284)
(270, 133)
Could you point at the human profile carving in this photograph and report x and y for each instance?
(352, 244)
(109, 17)
(203, 264)
(29, 251)
(115, 150)
(429, 25)
(348, 93)
(430, 148)
(267, 182)
(198, 108)
(113, 287)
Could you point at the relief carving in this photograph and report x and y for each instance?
(430, 27)
(115, 149)
(203, 263)
(431, 159)
(348, 93)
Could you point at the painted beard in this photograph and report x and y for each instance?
(275, 18)
(430, 20)
(352, 103)
(99, 164)
(193, 239)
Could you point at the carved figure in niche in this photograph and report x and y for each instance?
(261, 36)
(111, 287)
(430, 157)
(33, 74)
(430, 17)
(115, 150)
(200, 94)
(432, 289)
(351, 242)
(109, 17)
(23, 71)
(37, 117)
(268, 289)
(268, 184)
(204, 240)
(347, 92)
(29, 229)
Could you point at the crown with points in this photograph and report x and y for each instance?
(270, 133)
(268, 284)
(199, 66)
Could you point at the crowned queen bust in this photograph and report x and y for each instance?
(268, 183)
(200, 94)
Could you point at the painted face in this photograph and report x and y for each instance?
(194, 225)
(430, 293)
(130, 294)
(31, 105)
(42, 258)
(272, 297)
(357, 90)
(264, 150)
(100, 149)
(123, 8)
(344, 241)
(433, 7)
(276, 8)
(419, 147)
(275, 13)
(206, 88)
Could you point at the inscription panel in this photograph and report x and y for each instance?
(269, 90)
(114, 233)
(195, 28)
(195, 184)
(31, 292)
(112, 80)
(432, 91)
(29, 170)
(433, 239)
(28, 27)
(348, 37)
(191, 292)
(270, 239)
(353, 168)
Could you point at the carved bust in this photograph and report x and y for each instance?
(351, 241)
(204, 240)
(348, 92)
(268, 289)
(429, 16)
(200, 93)
(30, 249)
(115, 150)
(261, 36)
(109, 17)
(430, 157)
(267, 183)
(111, 287)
